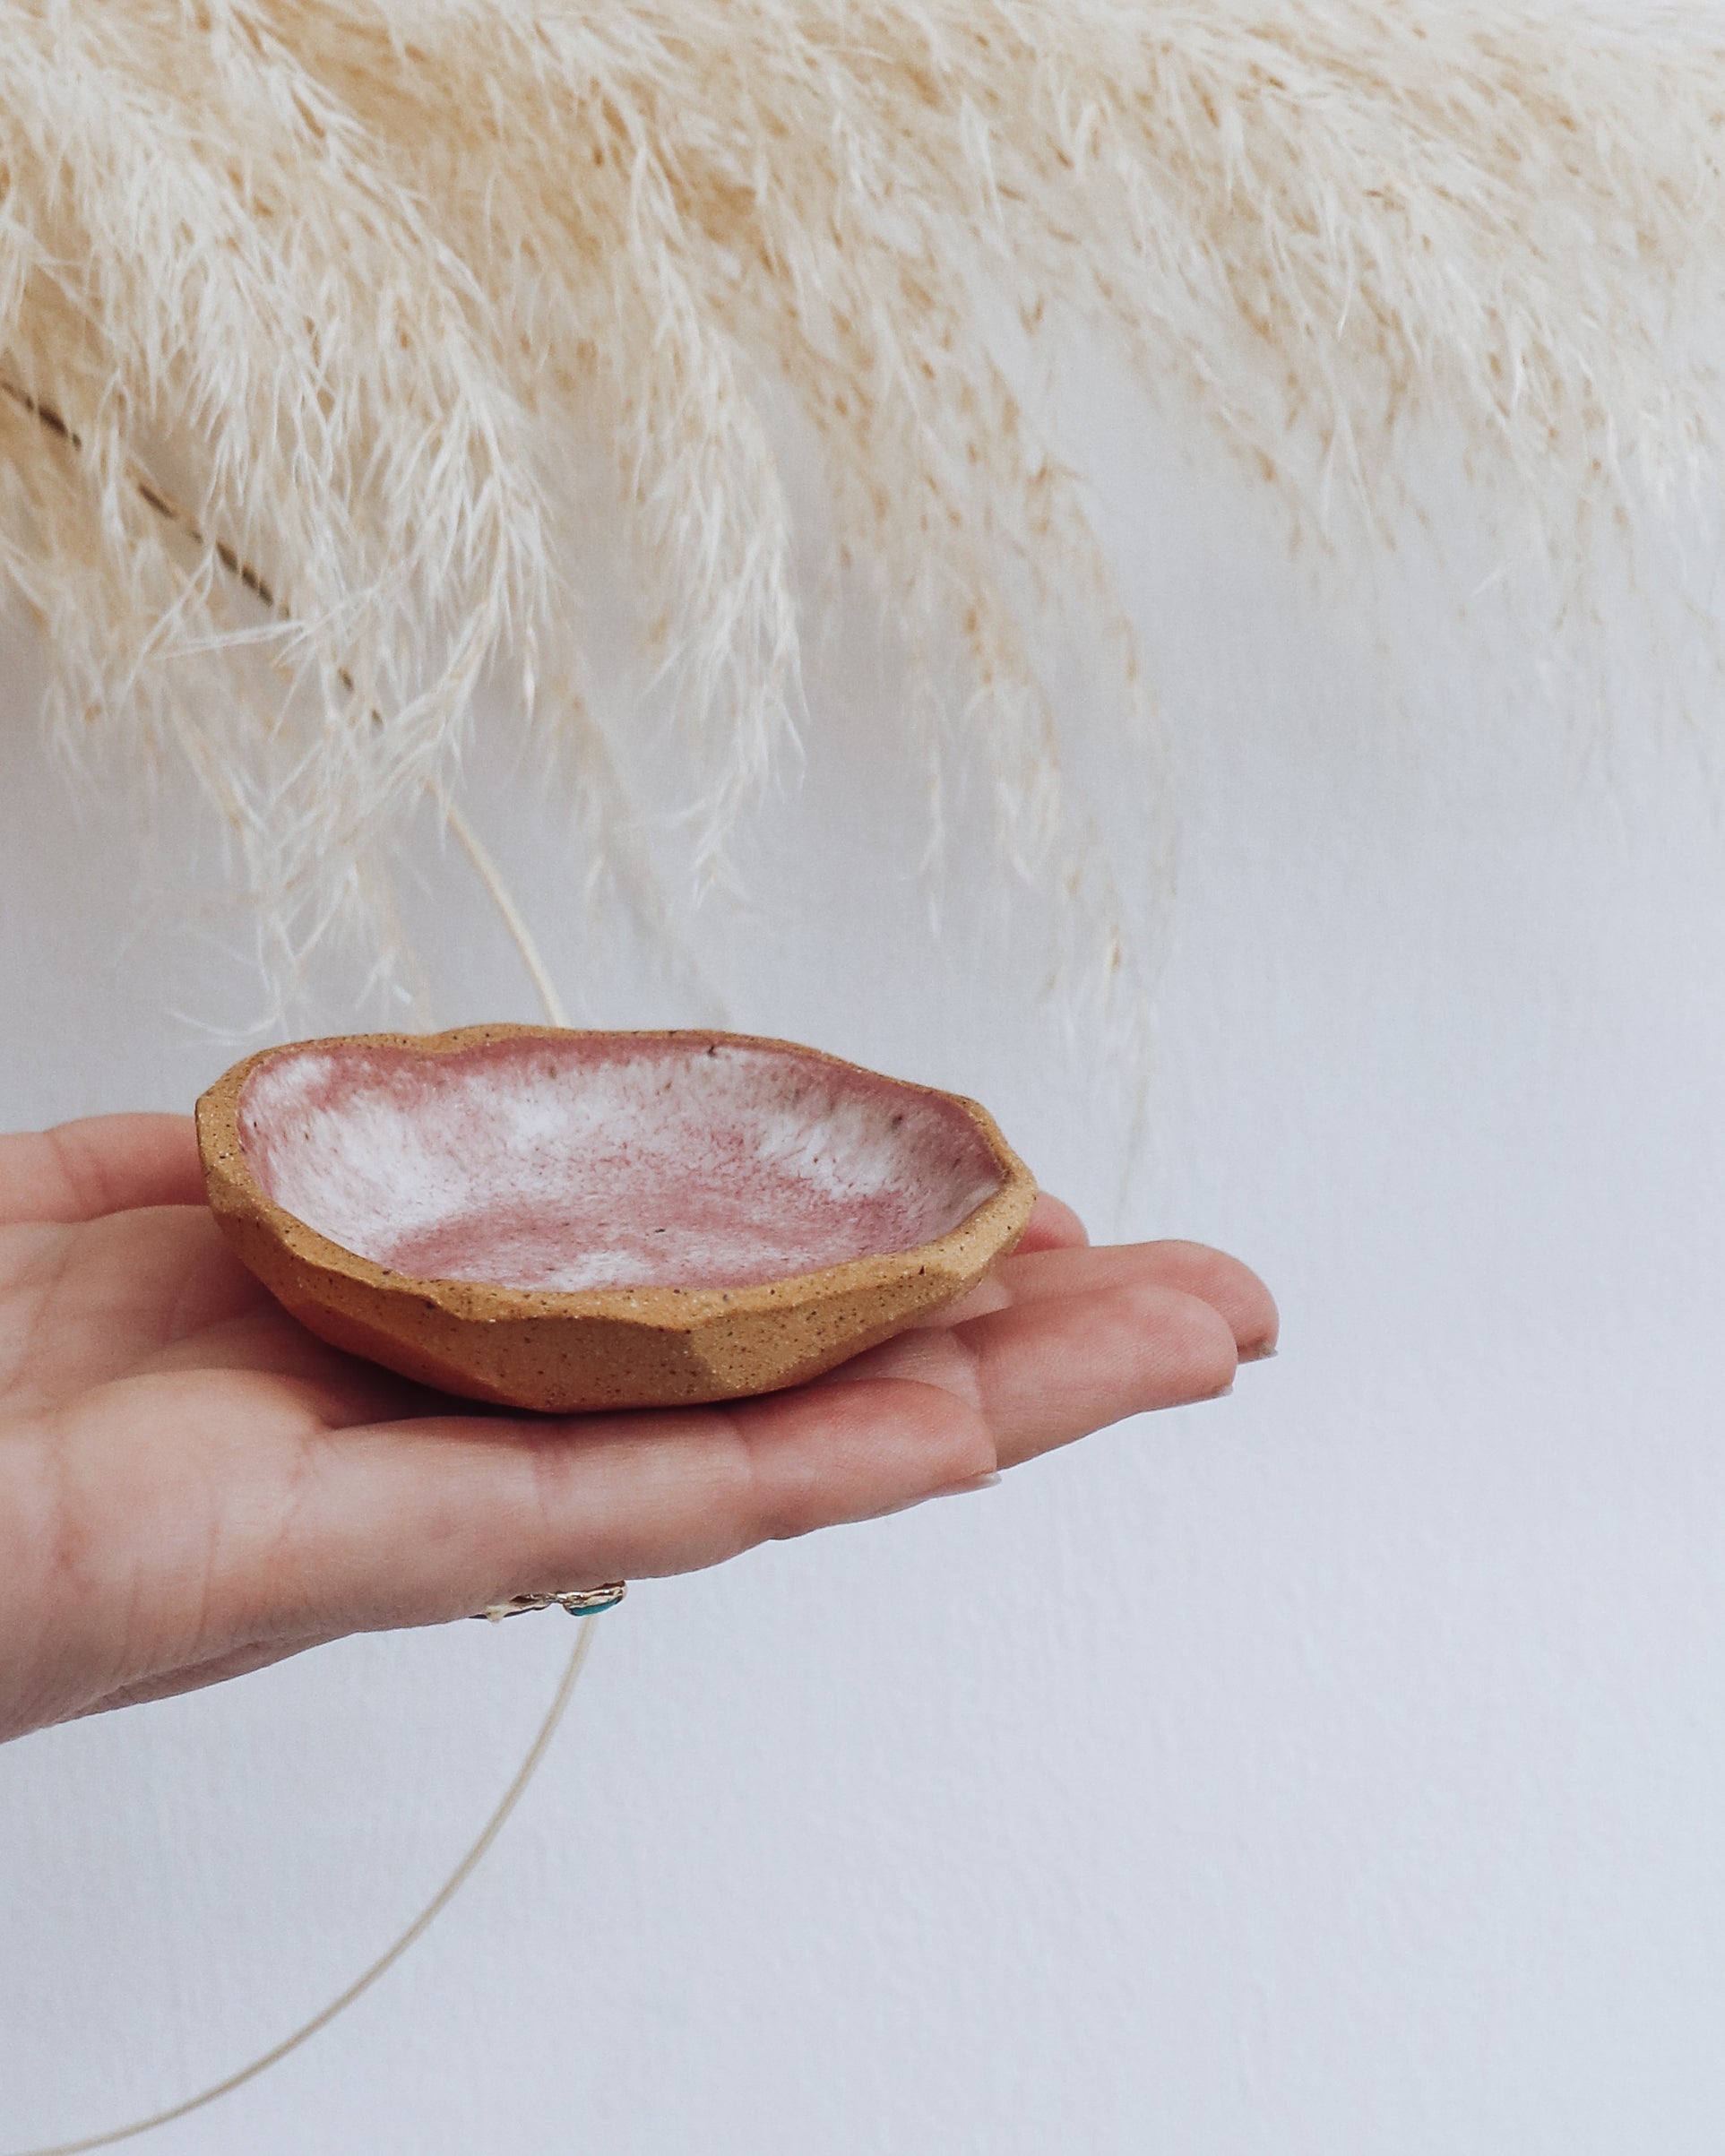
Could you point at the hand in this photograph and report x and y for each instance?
(192, 1486)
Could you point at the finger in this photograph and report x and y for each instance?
(1055, 1369)
(1053, 1226)
(1037, 1276)
(1193, 1268)
(102, 1164)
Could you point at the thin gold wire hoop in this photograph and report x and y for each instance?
(385, 1961)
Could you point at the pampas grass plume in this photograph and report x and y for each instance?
(344, 282)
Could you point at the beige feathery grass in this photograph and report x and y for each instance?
(415, 304)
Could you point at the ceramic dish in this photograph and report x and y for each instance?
(569, 1220)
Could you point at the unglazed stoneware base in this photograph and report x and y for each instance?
(567, 1220)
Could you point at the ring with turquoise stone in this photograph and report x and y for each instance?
(579, 1601)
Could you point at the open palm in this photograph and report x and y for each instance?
(191, 1485)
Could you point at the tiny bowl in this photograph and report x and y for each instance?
(569, 1221)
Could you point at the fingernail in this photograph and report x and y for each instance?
(947, 1490)
(986, 1480)
(1221, 1393)
(1266, 1351)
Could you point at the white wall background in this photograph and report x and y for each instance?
(1331, 1771)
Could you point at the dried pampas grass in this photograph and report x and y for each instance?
(405, 307)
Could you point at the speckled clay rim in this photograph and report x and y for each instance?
(993, 1226)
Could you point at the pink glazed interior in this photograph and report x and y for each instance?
(607, 1160)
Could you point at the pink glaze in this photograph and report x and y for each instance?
(607, 1160)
